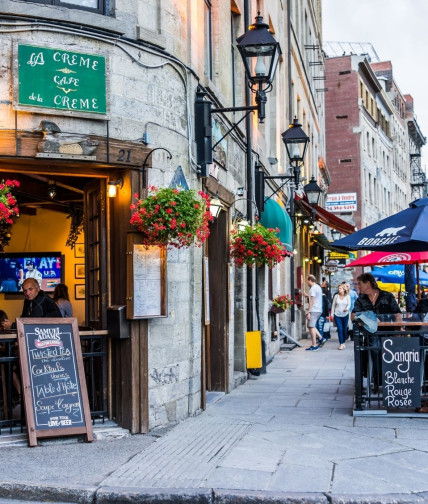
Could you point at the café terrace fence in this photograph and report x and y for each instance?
(391, 372)
(94, 352)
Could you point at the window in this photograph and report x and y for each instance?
(208, 44)
(100, 6)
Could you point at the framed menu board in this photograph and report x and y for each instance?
(53, 379)
(146, 280)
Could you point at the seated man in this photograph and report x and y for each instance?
(36, 304)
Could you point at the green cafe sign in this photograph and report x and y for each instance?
(61, 80)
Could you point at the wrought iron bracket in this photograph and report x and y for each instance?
(144, 165)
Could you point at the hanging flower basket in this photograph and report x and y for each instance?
(8, 211)
(256, 245)
(8, 205)
(172, 218)
(281, 303)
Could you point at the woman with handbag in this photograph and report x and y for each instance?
(340, 310)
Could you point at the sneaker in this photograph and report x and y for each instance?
(312, 349)
(341, 347)
(322, 342)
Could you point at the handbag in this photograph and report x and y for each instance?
(326, 327)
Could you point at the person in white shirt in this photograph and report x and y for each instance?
(33, 272)
(314, 313)
(340, 309)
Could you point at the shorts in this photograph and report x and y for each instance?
(314, 318)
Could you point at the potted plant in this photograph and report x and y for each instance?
(8, 210)
(171, 217)
(256, 245)
(281, 303)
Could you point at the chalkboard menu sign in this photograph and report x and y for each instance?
(401, 372)
(56, 399)
(59, 79)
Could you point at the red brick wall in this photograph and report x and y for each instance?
(342, 143)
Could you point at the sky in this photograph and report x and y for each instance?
(398, 31)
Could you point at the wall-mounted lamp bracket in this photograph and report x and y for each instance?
(144, 165)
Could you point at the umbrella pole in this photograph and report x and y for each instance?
(417, 280)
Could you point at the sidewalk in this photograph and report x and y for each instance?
(286, 437)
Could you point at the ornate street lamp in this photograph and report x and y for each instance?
(296, 143)
(260, 53)
(313, 191)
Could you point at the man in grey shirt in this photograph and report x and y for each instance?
(314, 313)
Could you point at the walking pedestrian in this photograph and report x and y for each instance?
(353, 294)
(340, 310)
(314, 313)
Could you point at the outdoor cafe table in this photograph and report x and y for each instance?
(390, 374)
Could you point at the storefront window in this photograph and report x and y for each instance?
(99, 6)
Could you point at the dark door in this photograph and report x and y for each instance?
(218, 341)
(96, 254)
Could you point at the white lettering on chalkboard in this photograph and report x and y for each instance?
(36, 59)
(401, 357)
(50, 333)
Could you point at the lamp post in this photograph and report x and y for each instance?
(296, 143)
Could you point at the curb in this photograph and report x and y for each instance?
(118, 495)
(132, 495)
(32, 492)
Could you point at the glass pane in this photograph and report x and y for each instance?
(91, 4)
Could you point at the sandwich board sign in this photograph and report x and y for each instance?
(53, 379)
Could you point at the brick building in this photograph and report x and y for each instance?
(367, 138)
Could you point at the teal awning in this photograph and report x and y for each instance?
(274, 216)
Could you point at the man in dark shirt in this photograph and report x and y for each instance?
(36, 304)
(373, 299)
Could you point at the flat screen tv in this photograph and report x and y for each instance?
(46, 267)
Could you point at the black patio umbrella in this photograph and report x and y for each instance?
(405, 231)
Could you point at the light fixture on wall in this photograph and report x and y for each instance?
(51, 189)
(215, 207)
(113, 186)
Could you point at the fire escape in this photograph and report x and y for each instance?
(418, 180)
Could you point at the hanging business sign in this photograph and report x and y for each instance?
(341, 202)
(55, 80)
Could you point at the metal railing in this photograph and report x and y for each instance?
(369, 379)
(94, 351)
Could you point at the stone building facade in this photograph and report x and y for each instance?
(158, 54)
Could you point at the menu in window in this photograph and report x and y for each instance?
(147, 266)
